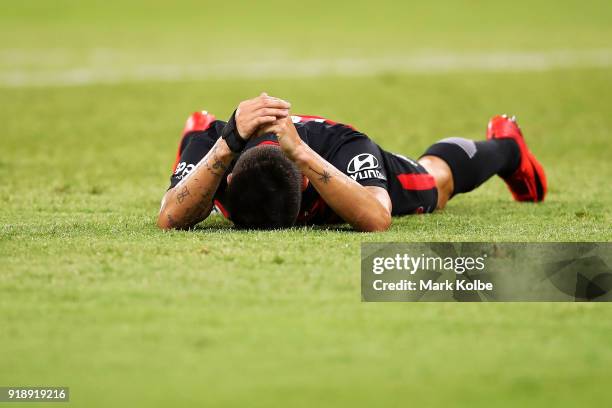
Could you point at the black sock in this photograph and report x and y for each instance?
(472, 163)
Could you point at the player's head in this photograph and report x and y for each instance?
(264, 190)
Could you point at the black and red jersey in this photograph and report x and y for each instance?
(411, 188)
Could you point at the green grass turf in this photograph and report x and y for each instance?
(94, 297)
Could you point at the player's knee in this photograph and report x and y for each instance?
(442, 175)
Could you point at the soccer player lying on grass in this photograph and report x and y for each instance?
(267, 169)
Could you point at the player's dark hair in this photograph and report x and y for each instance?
(265, 191)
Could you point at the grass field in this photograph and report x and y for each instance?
(93, 296)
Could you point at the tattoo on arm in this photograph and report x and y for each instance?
(325, 176)
(213, 163)
(199, 206)
(218, 165)
(180, 197)
(200, 209)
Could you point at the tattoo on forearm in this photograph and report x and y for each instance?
(325, 176)
(180, 197)
(217, 167)
(213, 170)
(200, 209)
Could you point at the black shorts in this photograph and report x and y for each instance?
(411, 188)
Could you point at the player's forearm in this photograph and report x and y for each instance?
(191, 201)
(350, 200)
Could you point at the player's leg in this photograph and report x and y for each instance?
(443, 176)
(460, 165)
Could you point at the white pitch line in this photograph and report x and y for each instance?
(289, 68)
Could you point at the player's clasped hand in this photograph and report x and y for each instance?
(260, 111)
(287, 136)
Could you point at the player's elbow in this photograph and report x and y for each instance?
(164, 220)
(378, 223)
(382, 224)
(167, 218)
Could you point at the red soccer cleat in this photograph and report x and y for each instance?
(528, 182)
(198, 121)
